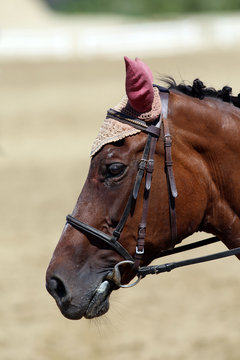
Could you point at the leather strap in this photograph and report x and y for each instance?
(85, 228)
(141, 168)
(134, 122)
(148, 180)
(172, 190)
(158, 269)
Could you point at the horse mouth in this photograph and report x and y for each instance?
(99, 303)
(93, 306)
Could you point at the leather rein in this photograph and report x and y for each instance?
(146, 166)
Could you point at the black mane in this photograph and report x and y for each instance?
(200, 91)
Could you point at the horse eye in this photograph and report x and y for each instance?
(115, 169)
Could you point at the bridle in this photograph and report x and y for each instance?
(146, 166)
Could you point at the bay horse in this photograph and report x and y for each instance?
(182, 143)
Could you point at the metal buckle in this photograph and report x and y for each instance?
(150, 165)
(142, 164)
(139, 252)
(115, 275)
(167, 140)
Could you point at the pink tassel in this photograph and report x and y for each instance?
(139, 87)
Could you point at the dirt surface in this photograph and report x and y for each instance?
(50, 114)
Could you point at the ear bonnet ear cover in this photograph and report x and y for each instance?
(141, 102)
(139, 87)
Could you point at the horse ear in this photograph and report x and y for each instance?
(139, 86)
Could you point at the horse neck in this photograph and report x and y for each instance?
(202, 121)
(206, 149)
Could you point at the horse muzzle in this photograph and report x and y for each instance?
(92, 303)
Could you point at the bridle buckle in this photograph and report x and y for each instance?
(139, 252)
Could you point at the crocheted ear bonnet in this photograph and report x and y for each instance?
(141, 102)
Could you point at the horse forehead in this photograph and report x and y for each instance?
(112, 151)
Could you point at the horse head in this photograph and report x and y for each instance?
(118, 224)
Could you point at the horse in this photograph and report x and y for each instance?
(165, 165)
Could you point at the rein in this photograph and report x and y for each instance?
(146, 165)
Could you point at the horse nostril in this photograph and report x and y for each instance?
(56, 288)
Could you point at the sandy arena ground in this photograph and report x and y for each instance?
(50, 114)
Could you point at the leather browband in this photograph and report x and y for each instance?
(136, 123)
